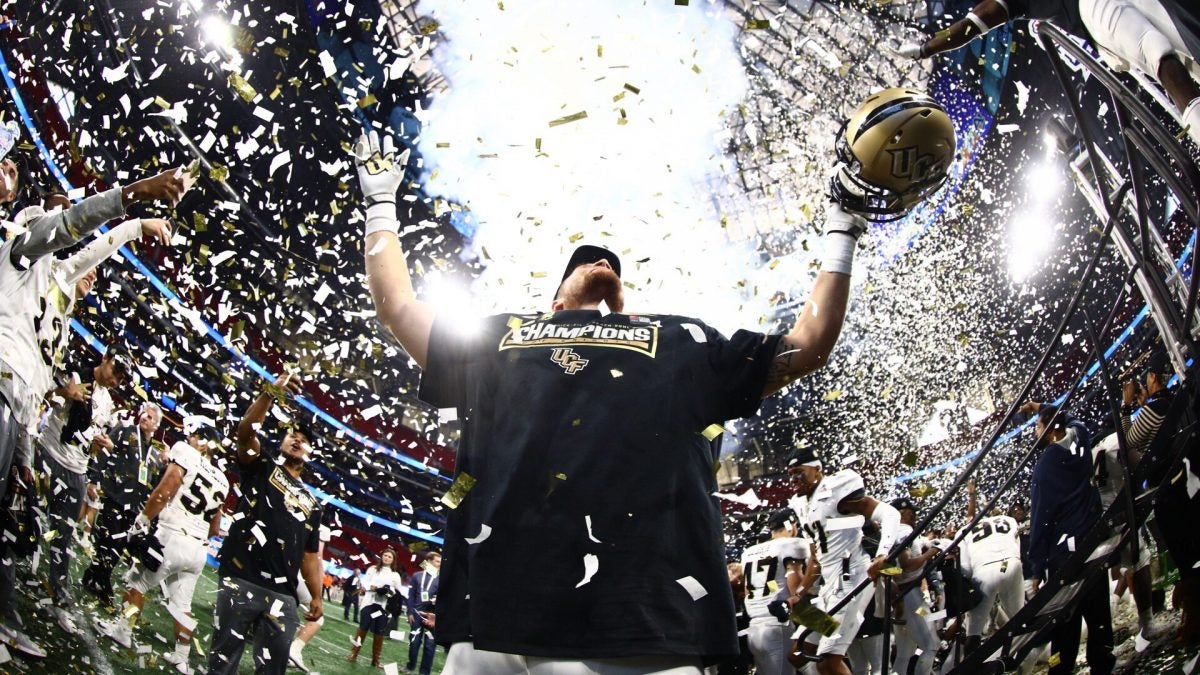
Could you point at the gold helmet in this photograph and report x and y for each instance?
(895, 151)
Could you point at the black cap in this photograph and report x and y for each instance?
(780, 518)
(901, 503)
(802, 455)
(587, 254)
(1159, 363)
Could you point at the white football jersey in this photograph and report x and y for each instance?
(199, 496)
(995, 538)
(836, 536)
(766, 573)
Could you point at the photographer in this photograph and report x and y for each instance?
(379, 584)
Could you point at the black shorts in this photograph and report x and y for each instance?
(374, 619)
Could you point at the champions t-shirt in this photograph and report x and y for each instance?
(590, 529)
(276, 522)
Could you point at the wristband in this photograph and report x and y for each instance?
(381, 217)
(838, 255)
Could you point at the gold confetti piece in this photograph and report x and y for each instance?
(131, 611)
(500, 6)
(910, 458)
(367, 101)
(922, 611)
(808, 616)
(576, 422)
(573, 117)
(712, 431)
(772, 586)
(538, 275)
(891, 571)
(681, 3)
(832, 395)
(199, 649)
(1054, 660)
(218, 173)
(631, 88)
(162, 103)
(616, 373)
(575, 237)
(758, 24)
(242, 87)
(458, 490)
(695, 69)
(774, 264)
(921, 491)
(560, 476)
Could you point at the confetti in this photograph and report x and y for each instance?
(462, 484)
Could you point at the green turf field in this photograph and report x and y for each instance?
(94, 653)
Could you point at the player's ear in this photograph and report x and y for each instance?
(557, 305)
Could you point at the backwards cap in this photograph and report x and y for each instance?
(585, 255)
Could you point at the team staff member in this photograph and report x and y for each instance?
(1065, 507)
(275, 536)
(121, 477)
(607, 478)
(422, 594)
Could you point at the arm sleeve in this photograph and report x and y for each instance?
(451, 358)
(99, 250)
(1142, 432)
(737, 369)
(313, 543)
(888, 519)
(61, 229)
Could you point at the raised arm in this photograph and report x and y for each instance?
(380, 173)
(249, 449)
(884, 516)
(167, 486)
(106, 244)
(63, 228)
(808, 345)
(986, 16)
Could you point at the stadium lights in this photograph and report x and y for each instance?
(1044, 182)
(218, 34)
(1058, 137)
(1030, 236)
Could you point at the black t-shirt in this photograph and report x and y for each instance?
(1062, 13)
(277, 520)
(584, 435)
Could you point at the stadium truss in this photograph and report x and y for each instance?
(1119, 191)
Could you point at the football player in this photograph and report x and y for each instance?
(772, 571)
(187, 503)
(838, 504)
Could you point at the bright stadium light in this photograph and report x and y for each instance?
(1044, 181)
(1030, 236)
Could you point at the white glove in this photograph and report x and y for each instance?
(842, 230)
(380, 173)
(141, 525)
(910, 50)
(839, 220)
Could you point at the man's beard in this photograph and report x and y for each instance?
(602, 285)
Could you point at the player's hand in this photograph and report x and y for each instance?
(25, 478)
(1035, 585)
(77, 391)
(167, 187)
(910, 50)
(156, 229)
(1029, 408)
(92, 493)
(380, 171)
(102, 441)
(429, 618)
(971, 488)
(315, 610)
(141, 525)
(876, 565)
(285, 385)
(839, 220)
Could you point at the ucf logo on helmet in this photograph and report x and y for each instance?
(568, 359)
(909, 164)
